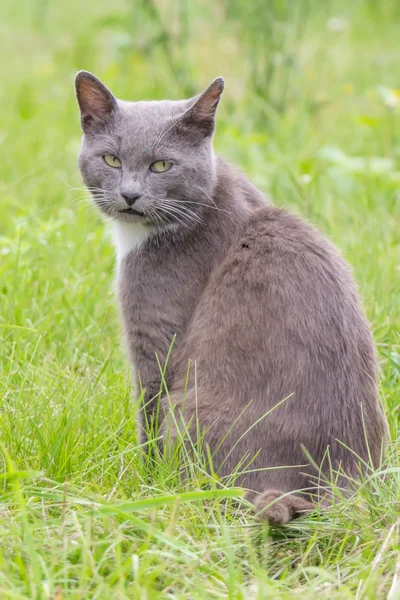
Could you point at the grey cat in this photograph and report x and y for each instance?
(258, 300)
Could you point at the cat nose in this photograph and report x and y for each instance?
(130, 199)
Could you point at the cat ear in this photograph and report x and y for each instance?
(96, 102)
(201, 112)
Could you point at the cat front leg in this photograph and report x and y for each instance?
(151, 412)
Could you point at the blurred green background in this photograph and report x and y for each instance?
(311, 113)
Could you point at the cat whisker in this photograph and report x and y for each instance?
(110, 142)
(102, 200)
(68, 185)
(88, 192)
(156, 217)
(88, 200)
(79, 198)
(81, 188)
(81, 201)
(187, 214)
(202, 204)
(181, 206)
(176, 216)
(211, 199)
(162, 135)
(205, 193)
(90, 206)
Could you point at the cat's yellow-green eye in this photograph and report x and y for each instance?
(160, 166)
(112, 161)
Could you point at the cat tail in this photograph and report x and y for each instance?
(279, 508)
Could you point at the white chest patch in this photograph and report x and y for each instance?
(128, 237)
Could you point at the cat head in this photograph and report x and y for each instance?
(149, 162)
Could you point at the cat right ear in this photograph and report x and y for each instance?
(96, 102)
(201, 113)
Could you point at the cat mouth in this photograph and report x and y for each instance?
(131, 211)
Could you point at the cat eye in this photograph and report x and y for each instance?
(160, 166)
(112, 161)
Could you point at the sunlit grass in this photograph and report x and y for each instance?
(82, 515)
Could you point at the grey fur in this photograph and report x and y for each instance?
(257, 298)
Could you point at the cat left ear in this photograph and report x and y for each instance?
(96, 102)
(202, 111)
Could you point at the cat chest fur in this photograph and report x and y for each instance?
(128, 237)
(156, 294)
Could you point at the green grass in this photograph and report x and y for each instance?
(306, 115)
